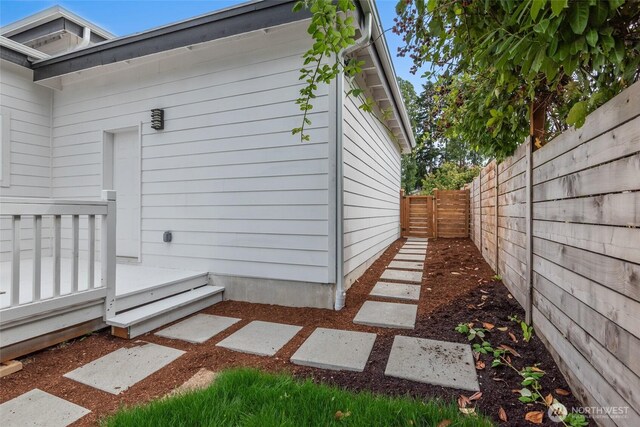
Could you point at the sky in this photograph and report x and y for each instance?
(127, 17)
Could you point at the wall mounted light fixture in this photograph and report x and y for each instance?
(157, 119)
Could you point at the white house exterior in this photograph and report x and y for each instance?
(269, 218)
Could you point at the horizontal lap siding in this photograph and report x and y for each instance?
(241, 195)
(29, 108)
(371, 186)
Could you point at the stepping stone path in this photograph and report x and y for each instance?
(119, 370)
(387, 315)
(38, 408)
(396, 291)
(402, 276)
(435, 362)
(335, 349)
(408, 257)
(407, 265)
(198, 328)
(413, 251)
(261, 338)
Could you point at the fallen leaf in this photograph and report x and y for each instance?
(509, 349)
(562, 392)
(341, 415)
(502, 415)
(536, 369)
(475, 396)
(513, 390)
(509, 296)
(480, 365)
(488, 326)
(476, 356)
(503, 329)
(463, 401)
(548, 400)
(480, 305)
(513, 337)
(468, 411)
(444, 423)
(456, 273)
(483, 297)
(498, 379)
(534, 417)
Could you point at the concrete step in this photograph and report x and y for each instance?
(145, 318)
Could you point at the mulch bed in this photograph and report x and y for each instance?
(446, 300)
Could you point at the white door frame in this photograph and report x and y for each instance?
(107, 172)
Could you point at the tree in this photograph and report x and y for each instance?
(499, 63)
(410, 98)
(449, 176)
(409, 177)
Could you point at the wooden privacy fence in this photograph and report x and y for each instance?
(561, 225)
(445, 214)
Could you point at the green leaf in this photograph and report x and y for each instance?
(619, 52)
(431, 5)
(579, 16)
(297, 7)
(537, 62)
(601, 14)
(614, 4)
(592, 37)
(536, 5)
(608, 42)
(541, 27)
(577, 114)
(557, 6)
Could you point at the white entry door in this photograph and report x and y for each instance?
(126, 182)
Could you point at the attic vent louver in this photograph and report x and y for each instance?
(157, 119)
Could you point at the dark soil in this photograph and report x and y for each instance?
(457, 288)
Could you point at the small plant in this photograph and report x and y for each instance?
(531, 392)
(470, 331)
(527, 330)
(497, 277)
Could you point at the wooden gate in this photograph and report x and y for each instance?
(417, 216)
(445, 214)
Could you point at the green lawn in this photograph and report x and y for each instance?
(244, 397)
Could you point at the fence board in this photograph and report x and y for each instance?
(566, 240)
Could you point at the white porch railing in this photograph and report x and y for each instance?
(17, 208)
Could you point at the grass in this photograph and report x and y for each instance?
(246, 397)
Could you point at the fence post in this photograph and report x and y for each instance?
(108, 252)
(402, 222)
(496, 219)
(435, 213)
(468, 215)
(529, 230)
(480, 209)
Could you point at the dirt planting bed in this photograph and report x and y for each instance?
(457, 288)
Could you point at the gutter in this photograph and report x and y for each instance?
(362, 41)
(20, 48)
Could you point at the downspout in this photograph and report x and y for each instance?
(364, 39)
(86, 38)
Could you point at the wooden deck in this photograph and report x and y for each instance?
(131, 279)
